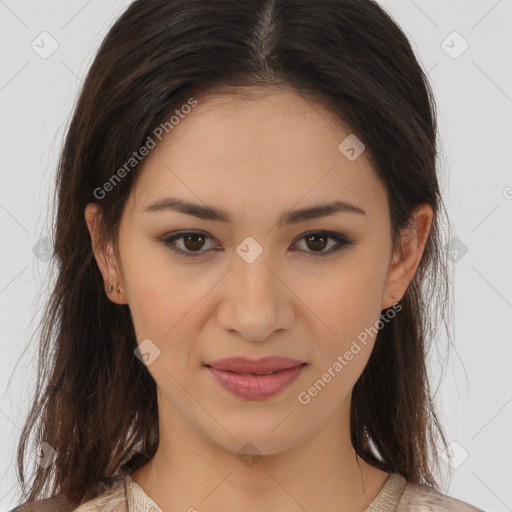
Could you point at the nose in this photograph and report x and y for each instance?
(256, 301)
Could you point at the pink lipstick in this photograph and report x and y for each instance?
(255, 379)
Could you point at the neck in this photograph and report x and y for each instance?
(190, 472)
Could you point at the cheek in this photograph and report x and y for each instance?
(349, 307)
(164, 307)
(350, 300)
(166, 301)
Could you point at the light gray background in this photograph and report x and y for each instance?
(474, 95)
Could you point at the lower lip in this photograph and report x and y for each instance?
(256, 387)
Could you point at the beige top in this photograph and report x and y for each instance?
(396, 495)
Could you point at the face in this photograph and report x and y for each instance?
(258, 280)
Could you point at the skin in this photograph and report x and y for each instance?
(257, 158)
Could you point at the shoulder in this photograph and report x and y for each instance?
(421, 498)
(111, 498)
(54, 504)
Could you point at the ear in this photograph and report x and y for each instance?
(105, 257)
(404, 263)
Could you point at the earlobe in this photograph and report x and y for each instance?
(104, 256)
(407, 256)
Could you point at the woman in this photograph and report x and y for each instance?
(248, 212)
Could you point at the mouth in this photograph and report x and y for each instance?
(248, 380)
(264, 366)
(271, 372)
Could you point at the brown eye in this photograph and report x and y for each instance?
(193, 241)
(317, 241)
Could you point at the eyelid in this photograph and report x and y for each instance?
(168, 240)
(341, 240)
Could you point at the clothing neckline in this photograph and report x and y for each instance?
(389, 495)
(381, 503)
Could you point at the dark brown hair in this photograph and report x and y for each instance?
(95, 402)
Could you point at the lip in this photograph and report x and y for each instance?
(255, 387)
(247, 365)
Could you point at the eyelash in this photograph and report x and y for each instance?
(169, 243)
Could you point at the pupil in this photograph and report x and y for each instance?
(313, 237)
(318, 241)
(194, 246)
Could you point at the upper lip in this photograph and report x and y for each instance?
(246, 365)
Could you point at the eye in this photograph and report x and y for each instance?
(318, 240)
(192, 243)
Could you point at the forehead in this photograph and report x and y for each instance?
(253, 118)
(253, 145)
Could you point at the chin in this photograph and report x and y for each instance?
(257, 443)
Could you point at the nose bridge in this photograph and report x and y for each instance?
(255, 302)
(255, 281)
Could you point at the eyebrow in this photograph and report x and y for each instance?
(206, 212)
